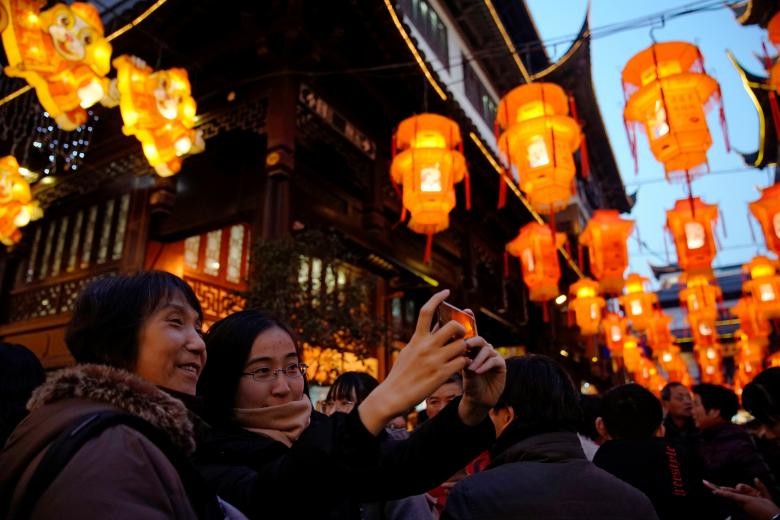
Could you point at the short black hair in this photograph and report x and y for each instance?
(761, 397)
(352, 385)
(715, 397)
(631, 412)
(666, 391)
(542, 396)
(228, 345)
(20, 373)
(109, 312)
(591, 409)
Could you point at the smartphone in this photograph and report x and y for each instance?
(448, 312)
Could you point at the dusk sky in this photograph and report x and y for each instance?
(715, 31)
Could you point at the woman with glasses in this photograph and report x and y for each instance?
(267, 441)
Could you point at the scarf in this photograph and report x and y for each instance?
(282, 422)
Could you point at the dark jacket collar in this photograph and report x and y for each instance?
(545, 447)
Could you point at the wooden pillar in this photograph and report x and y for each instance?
(280, 157)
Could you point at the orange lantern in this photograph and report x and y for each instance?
(647, 375)
(62, 54)
(750, 357)
(710, 363)
(428, 161)
(773, 360)
(587, 305)
(632, 353)
(673, 364)
(764, 286)
(767, 211)
(537, 248)
(606, 235)
(538, 138)
(751, 322)
(158, 109)
(700, 299)
(17, 207)
(773, 30)
(690, 223)
(614, 327)
(637, 304)
(667, 93)
(659, 335)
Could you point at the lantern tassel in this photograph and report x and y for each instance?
(502, 190)
(581, 257)
(545, 312)
(723, 224)
(506, 265)
(428, 249)
(752, 231)
(467, 181)
(584, 160)
(724, 126)
(775, 110)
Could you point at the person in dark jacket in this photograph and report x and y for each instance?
(267, 438)
(538, 468)
(678, 415)
(636, 452)
(130, 335)
(727, 452)
(20, 373)
(761, 397)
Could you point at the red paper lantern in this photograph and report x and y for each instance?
(606, 235)
(614, 327)
(710, 363)
(428, 161)
(667, 94)
(763, 286)
(538, 138)
(751, 322)
(586, 305)
(690, 223)
(767, 211)
(537, 248)
(637, 304)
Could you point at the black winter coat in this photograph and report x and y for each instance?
(344, 462)
(669, 476)
(545, 476)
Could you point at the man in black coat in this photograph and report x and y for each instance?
(539, 469)
(678, 415)
(637, 453)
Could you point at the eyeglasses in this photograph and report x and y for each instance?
(292, 371)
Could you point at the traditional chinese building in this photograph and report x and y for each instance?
(297, 104)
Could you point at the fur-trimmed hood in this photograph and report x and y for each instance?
(119, 388)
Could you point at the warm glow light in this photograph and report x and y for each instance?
(561, 299)
(565, 353)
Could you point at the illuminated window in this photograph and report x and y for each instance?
(235, 254)
(213, 243)
(192, 252)
(74, 242)
(430, 179)
(537, 152)
(694, 235)
(105, 233)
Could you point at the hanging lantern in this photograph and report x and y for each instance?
(606, 235)
(763, 286)
(632, 353)
(700, 299)
(158, 109)
(428, 161)
(537, 248)
(62, 54)
(767, 211)
(690, 223)
(773, 30)
(637, 304)
(667, 93)
(673, 364)
(538, 139)
(751, 322)
(614, 327)
(710, 360)
(647, 375)
(659, 334)
(750, 357)
(17, 207)
(586, 305)
(773, 360)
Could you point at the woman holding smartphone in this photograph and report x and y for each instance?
(267, 440)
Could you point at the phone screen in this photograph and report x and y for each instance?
(447, 312)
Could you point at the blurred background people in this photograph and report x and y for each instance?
(678, 415)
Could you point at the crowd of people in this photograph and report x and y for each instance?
(158, 420)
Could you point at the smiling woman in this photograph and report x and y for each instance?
(130, 335)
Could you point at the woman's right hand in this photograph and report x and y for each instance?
(427, 361)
